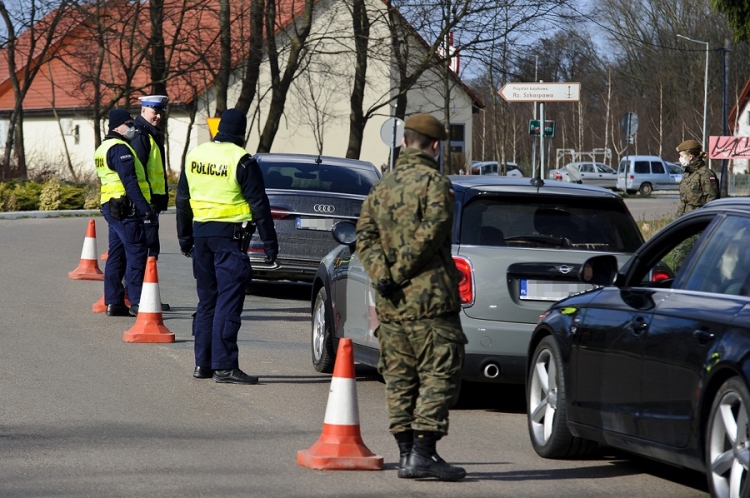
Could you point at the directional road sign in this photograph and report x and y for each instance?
(541, 92)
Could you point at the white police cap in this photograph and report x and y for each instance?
(156, 101)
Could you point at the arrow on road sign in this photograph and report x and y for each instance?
(541, 92)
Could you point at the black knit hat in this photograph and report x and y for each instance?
(118, 117)
(233, 122)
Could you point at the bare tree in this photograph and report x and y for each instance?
(25, 56)
(296, 35)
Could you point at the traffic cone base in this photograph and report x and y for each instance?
(340, 446)
(149, 326)
(88, 268)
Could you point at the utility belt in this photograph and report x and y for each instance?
(121, 208)
(243, 232)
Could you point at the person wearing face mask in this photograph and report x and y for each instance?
(699, 184)
(148, 144)
(125, 201)
(404, 243)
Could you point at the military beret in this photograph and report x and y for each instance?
(427, 125)
(688, 145)
(155, 101)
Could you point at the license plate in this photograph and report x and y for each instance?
(541, 290)
(314, 223)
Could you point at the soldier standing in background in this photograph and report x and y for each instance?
(148, 144)
(404, 243)
(699, 184)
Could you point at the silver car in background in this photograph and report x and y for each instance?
(591, 173)
(519, 248)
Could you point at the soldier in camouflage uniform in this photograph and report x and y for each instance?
(404, 243)
(699, 184)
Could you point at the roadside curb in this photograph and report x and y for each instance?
(65, 213)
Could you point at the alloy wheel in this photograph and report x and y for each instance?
(729, 445)
(543, 396)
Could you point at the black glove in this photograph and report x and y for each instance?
(386, 287)
(187, 251)
(151, 215)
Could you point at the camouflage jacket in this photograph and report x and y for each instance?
(404, 233)
(699, 185)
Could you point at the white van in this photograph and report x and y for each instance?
(644, 174)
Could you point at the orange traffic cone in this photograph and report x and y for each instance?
(340, 446)
(88, 268)
(149, 326)
(104, 256)
(100, 307)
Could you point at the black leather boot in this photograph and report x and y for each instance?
(405, 441)
(425, 462)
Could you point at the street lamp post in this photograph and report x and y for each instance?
(705, 87)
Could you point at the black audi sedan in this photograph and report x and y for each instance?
(656, 359)
(308, 194)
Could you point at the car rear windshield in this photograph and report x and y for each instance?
(551, 222)
(318, 177)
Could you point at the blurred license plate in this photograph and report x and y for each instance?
(314, 223)
(540, 290)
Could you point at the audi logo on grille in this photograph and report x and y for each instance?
(324, 208)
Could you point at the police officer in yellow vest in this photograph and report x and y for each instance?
(125, 203)
(221, 198)
(148, 144)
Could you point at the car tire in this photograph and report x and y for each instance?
(321, 338)
(727, 440)
(646, 189)
(545, 399)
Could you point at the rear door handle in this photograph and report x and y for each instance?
(703, 336)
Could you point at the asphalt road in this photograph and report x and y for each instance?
(84, 414)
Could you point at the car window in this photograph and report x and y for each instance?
(602, 168)
(642, 167)
(318, 177)
(657, 167)
(723, 264)
(623, 165)
(550, 222)
(587, 168)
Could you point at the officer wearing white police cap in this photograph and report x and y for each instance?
(148, 144)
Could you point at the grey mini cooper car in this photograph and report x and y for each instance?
(519, 246)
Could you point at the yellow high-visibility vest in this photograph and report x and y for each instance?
(155, 169)
(112, 186)
(215, 195)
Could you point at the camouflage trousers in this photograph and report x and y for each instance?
(421, 362)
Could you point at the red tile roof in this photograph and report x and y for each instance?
(70, 71)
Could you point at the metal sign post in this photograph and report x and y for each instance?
(391, 133)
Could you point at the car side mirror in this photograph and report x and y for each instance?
(599, 270)
(345, 232)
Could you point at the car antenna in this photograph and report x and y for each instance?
(537, 182)
(318, 159)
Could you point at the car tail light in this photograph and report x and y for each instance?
(659, 275)
(466, 284)
(279, 214)
(558, 176)
(632, 177)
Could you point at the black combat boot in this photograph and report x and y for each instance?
(425, 462)
(405, 441)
